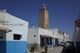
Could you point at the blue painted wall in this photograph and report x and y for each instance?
(13, 46)
(16, 46)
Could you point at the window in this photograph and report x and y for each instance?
(1, 37)
(34, 35)
(17, 36)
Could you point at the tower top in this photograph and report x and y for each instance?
(43, 6)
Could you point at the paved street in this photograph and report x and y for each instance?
(55, 50)
(52, 50)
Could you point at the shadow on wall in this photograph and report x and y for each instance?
(2, 46)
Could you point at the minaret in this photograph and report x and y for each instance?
(43, 17)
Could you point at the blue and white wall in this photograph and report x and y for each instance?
(17, 26)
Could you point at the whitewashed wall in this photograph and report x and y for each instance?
(14, 24)
(31, 38)
(37, 32)
(45, 32)
(55, 33)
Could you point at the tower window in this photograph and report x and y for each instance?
(17, 36)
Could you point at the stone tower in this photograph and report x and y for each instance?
(43, 17)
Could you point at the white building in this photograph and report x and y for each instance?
(63, 37)
(40, 36)
(15, 40)
(59, 36)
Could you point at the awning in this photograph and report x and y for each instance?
(2, 27)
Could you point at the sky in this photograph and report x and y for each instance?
(62, 13)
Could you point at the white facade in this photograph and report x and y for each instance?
(35, 33)
(54, 33)
(64, 37)
(61, 36)
(31, 38)
(16, 25)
